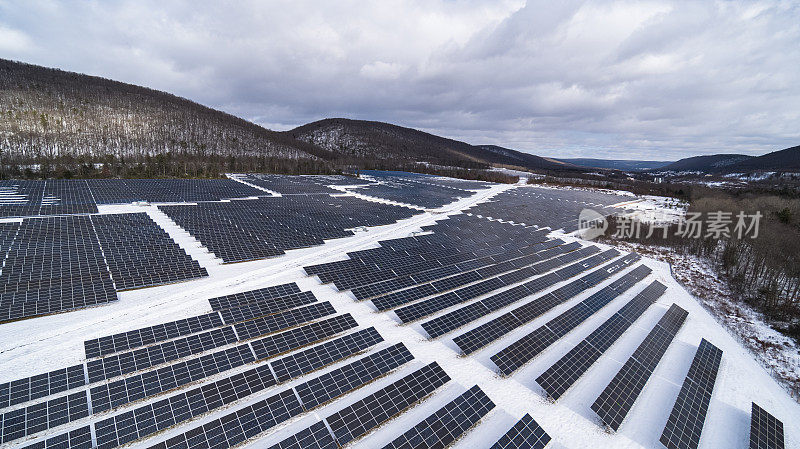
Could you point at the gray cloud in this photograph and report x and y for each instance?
(657, 80)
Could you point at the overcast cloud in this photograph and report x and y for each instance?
(627, 80)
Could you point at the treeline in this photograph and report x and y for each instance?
(167, 165)
(475, 174)
(764, 271)
(51, 117)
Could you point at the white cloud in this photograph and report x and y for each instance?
(14, 41)
(382, 70)
(662, 79)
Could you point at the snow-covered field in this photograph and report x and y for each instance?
(46, 343)
(777, 352)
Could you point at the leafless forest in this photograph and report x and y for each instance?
(763, 271)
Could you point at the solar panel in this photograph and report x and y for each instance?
(150, 383)
(238, 426)
(525, 349)
(766, 431)
(315, 436)
(41, 385)
(36, 418)
(99, 347)
(266, 307)
(80, 438)
(685, 422)
(128, 362)
(292, 339)
(447, 424)
(240, 299)
(151, 418)
(335, 383)
(359, 418)
(316, 357)
(557, 379)
(616, 400)
(525, 434)
(284, 320)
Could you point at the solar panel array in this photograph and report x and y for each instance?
(557, 379)
(465, 315)
(495, 328)
(685, 422)
(526, 348)
(766, 431)
(552, 208)
(117, 191)
(140, 337)
(53, 264)
(525, 434)
(421, 191)
(217, 378)
(364, 415)
(255, 229)
(20, 198)
(140, 254)
(315, 436)
(447, 424)
(122, 357)
(303, 184)
(617, 399)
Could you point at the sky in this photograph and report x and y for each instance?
(642, 80)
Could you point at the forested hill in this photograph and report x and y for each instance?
(49, 114)
(787, 159)
(383, 141)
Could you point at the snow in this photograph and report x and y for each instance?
(38, 345)
(776, 352)
(654, 209)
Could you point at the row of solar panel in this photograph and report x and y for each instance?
(35, 387)
(555, 209)
(60, 263)
(255, 229)
(450, 321)
(488, 332)
(130, 389)
(557, 379)
(57, 197)
(520, 352)
(269, 300)
(618, 397)
(489, 281)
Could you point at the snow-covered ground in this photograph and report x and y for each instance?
(777, 352)
(38, 345)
